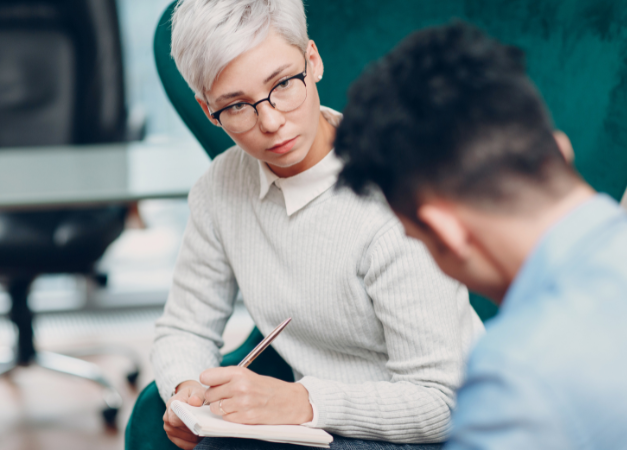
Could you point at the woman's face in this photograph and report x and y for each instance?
(280, 139)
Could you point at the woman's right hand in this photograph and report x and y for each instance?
(193, 393)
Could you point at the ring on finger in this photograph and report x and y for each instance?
(220, 406)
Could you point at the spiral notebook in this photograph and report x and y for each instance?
(202, 422)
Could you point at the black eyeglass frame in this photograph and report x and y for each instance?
(301, 76)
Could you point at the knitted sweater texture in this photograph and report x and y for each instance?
(378, 335)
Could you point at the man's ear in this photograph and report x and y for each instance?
(565, 146)
(446, 226)
(205, 108)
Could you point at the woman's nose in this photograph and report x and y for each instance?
(270, 119)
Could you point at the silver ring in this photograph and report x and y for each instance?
(220, 406)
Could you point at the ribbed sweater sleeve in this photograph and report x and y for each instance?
(189, 334)
(378, 334)
(418, 309)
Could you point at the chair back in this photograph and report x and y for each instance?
(212, 138)
(61, 79)
(61, 83)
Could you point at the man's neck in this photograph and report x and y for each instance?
(509, 240)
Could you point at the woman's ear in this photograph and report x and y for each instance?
(565, 146)
(205, 108)
(446, 227)
(314, 61)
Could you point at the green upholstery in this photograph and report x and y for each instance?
(576, 52)
(145, 426)
(212, 138)
(144, 430)
(577, 56)
(484, 307)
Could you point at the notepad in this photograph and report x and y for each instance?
(202, 422)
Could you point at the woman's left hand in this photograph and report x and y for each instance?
(254, 399)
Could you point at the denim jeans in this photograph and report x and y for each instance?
(339, 443)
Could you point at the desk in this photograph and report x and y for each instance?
(67, 176)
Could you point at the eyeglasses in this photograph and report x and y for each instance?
(286, 96)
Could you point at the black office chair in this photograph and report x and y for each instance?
(61, 82)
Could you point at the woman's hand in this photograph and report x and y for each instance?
(191, 392)
(254, 399)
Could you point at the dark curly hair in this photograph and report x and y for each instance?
(452, 111)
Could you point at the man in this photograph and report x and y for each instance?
(452, 131)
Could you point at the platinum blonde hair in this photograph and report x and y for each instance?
(209, 34)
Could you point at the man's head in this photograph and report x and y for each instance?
(450, 128)
(233, 52)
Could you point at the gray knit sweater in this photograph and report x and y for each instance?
(379, 335)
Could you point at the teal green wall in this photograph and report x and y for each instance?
(576, 52)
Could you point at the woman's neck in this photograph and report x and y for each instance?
(322, 145)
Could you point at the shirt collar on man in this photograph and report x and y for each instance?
(299, 190)
(565, 242)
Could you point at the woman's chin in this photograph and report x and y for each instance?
(288, 159)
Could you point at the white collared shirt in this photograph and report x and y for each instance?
(299, 190)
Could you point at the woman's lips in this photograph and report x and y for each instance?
(283, 147)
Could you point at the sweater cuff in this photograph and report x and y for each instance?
(313, 423)
(321, 395)
(167, 384)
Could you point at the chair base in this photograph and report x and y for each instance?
(26, 354)
(79, 368)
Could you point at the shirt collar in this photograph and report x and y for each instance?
(300, 190)
(563, 243)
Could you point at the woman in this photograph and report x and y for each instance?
(377, 351)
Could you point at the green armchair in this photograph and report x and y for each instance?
(145, 426)
(577, 56)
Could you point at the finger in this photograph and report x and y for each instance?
(217, 393)
(181, 433)
(172, 419)
(242, 417)
(197, 396)
(185, 445)
(181, 440)
(220, 408)
(220, 375)
(193, 395)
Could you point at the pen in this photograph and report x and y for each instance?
(262, 345)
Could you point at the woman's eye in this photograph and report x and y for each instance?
(238, 107)
(283, 84)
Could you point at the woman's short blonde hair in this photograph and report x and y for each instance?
(208, 34)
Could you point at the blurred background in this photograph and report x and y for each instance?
(95, 165)
(104, 310)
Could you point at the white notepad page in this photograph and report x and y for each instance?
(201, 421)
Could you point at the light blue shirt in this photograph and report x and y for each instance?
(551, 372)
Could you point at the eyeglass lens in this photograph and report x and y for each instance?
(285, 97)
